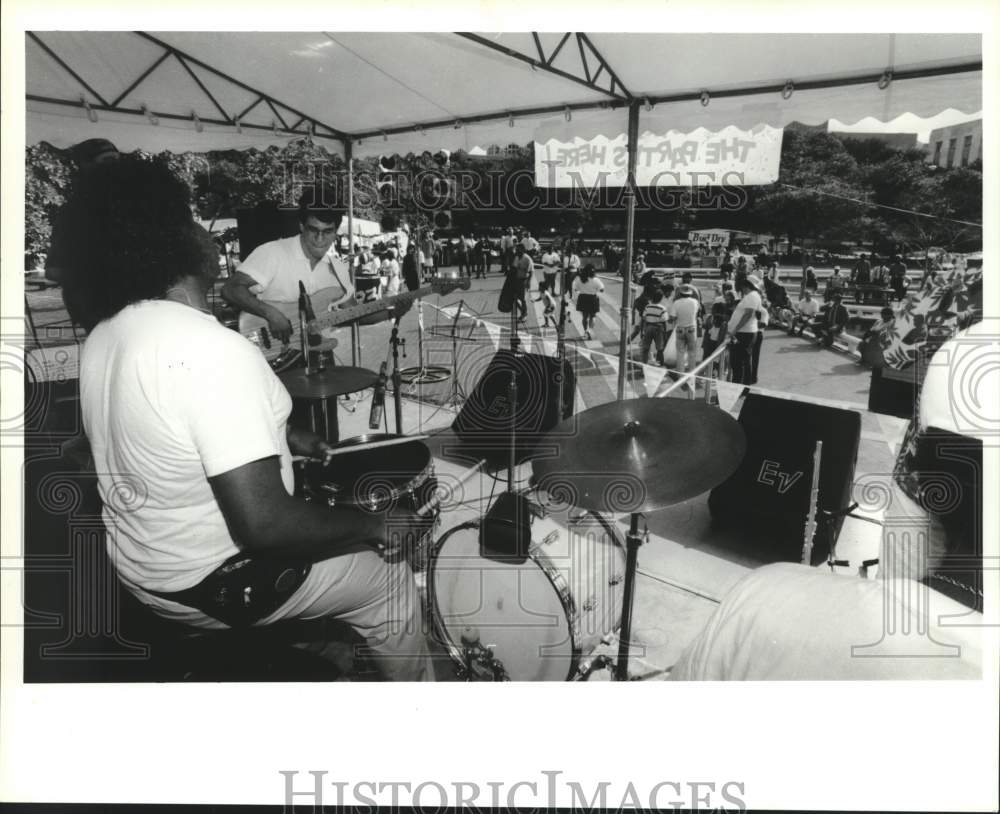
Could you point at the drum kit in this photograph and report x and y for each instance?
(541, 615)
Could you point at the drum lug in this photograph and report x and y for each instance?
(550, 538)
(615, 579)
(590, 602)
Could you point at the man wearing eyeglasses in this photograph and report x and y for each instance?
(267, 283)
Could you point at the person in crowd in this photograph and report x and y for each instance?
(550, 268)
(531, 246)
(714, 331)
(880, 273)
(507, 244)
(763, 320)
(520, 276)
(688, 279)
(390, 274)
(686, 310)
(190, 414)
(834, 284)
(805, 311)
(570, 266)
(897, 277)
(428, 252)
(411, 268)
(639, 305)
(548, 304)
(742, 328)
(460, 256)
(811, 282)
(861, 273)
(886, 315)
(726, 267)
(729, 301)
(639, 268)
(654, 322)
(832, 322)
(587, 288)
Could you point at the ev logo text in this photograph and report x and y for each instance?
(771, 475)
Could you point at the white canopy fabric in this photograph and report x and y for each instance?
(377, 89)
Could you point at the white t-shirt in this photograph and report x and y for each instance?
(278, 266)
(685, 311)
(550, 260)
(808, 308)
(591, 286)
(750, 302)
(171, 398)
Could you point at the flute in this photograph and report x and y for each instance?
(807, 542)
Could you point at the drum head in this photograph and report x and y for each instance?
(370, 477)
(538, 616)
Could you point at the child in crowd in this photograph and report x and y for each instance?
(654, 326)
(587, 287)
(548, 302)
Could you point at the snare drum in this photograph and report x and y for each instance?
(539, 617)
(376, 480)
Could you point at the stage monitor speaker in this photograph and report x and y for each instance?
(483, 424)
(263, 223)
(769, 494)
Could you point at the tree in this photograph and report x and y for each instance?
(48, 180)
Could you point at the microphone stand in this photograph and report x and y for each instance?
(302, 334)
(397, 376)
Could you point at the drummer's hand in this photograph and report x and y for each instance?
(323, 450)
(402, 529)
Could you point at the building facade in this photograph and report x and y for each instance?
(956, 146)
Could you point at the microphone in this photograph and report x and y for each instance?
(378, 400)
(305, 307)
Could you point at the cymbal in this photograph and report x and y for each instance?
(331, 381)
(639, 455)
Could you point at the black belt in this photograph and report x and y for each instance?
(244, 589)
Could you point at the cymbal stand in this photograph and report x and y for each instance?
(632, 542)
(458, 396)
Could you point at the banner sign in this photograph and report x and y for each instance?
(730, 156)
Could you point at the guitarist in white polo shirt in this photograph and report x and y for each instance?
(266, 287)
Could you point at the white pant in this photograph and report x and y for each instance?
(377, 599)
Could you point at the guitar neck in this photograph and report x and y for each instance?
(342, 315)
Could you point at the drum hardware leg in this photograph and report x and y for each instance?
(632, 542)
(588, 668)
(479, 661)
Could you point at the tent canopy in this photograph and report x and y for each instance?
(407, 92)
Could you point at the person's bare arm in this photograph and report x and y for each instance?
(264, 519)
(237, 293)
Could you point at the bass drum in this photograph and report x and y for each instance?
(539, 617)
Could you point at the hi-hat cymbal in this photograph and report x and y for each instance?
(639, 455)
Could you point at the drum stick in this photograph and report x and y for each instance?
(432, 504)
(388, 442)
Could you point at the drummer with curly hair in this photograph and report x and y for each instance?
(187, 418)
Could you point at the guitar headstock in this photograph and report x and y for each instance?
(445, 285)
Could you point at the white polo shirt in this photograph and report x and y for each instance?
(278, 267)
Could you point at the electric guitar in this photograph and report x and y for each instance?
(319, 335)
